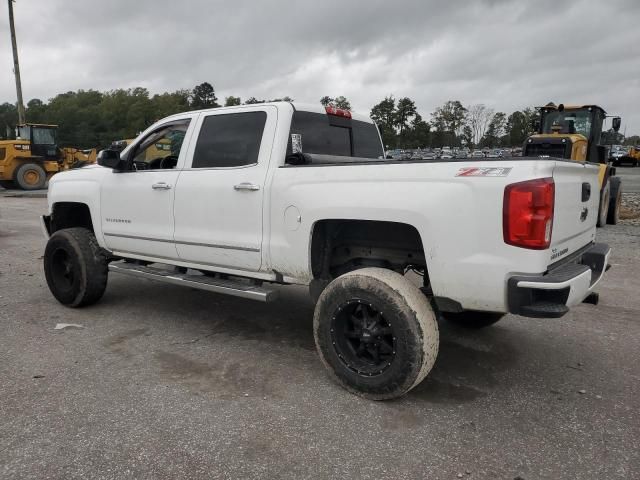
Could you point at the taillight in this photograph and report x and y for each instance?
(338, 112)
(527, 215)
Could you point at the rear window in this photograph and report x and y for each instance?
(323, 134)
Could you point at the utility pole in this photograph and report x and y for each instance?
(16, 66)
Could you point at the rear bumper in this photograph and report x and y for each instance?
(550, 295)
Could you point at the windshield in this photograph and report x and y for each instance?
(44, 136)
(568, 122)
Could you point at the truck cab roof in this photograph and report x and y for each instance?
(288, 106)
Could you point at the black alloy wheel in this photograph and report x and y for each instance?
(62, 270)
(363, 338)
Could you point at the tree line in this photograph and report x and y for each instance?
(89, 118)
(451, 124)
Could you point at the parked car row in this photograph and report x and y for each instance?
(620, 155)
(448, 153)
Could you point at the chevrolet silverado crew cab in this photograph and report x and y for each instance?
(235, 200)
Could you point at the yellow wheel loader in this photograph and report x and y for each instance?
(30, 160)
(576, 133)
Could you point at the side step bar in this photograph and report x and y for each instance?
(201, 282)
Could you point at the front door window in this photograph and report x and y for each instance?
(160, 149)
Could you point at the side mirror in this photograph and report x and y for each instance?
(615, 123)
(109, 158)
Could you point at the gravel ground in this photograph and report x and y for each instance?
(630, 209)
(165, 382)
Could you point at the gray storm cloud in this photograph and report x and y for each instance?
(506, 54)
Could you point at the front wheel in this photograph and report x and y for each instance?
(75, 267)
(376, 333)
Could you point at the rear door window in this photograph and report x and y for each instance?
(324, 134)
(229, 140)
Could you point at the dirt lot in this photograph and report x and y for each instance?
(164, 382)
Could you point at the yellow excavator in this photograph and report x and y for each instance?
(30, 160)
(576, 133)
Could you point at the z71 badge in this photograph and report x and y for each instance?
(483, 172)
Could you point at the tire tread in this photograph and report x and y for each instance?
(425, 328)
(94, 265)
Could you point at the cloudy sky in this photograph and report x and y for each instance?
(505, 54)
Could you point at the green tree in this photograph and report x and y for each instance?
(203, 96)
(418, 135)
(519, 126)
(467, 136)
(8, 120)
(342, 102)
(516, 130)
(448, 121)
(168, 103)
(79, 116)
(384, 114)
(36, 111)
(631, 140)
(286, 98)
(232, 101)
(253, 101)
(338, 102)
(404, 113)
(495, 130)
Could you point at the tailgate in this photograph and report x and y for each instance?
(575, 215)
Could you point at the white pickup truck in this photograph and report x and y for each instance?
(235, 200)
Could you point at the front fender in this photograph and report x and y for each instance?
(79, 186)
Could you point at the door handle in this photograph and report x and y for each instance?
(246, 186)
(161, 186)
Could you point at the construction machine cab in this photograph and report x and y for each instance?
(568, 127)
(576, 133)
(43, 139)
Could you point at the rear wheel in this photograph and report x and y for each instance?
(615, 201)
(8, 184)
(376, 333)
(472, 320)
(75, 267)
(30, 176)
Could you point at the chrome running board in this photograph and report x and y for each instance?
(236, 288)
